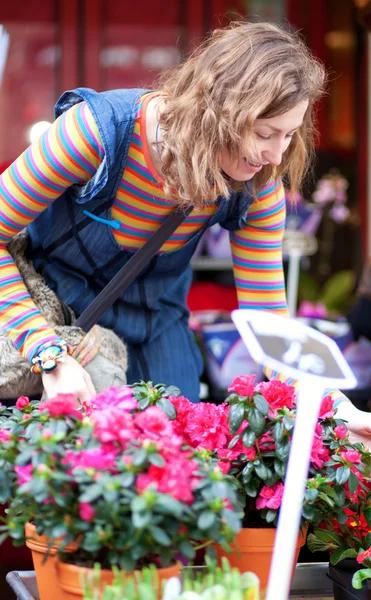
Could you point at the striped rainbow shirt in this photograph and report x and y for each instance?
(69, 152)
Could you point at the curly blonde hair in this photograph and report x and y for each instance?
(239, 74)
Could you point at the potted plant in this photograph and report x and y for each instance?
(250, 435)
(214, 582)
(338, 503)
(114, 479)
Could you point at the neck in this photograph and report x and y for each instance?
(153, 132)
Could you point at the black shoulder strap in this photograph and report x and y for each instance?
(127, 274)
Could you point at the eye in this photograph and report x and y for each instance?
(263, 137)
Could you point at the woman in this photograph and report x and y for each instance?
(220, 133)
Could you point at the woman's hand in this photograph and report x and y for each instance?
(69, 378)
(358, 423)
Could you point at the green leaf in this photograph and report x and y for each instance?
(251, 489)
(278, 432)
(353, 482)
(271, 515)
(261, 404)
(143, 403)
(167, 407)
(280, 468)
(340, 554)
(316, 545)
(359, 577)
(160, 536)
(326, 499)
(367, 515)
(232, 520)
(256, 421)
(328, 536)
(337, 289)
(248, 438)
(308, 512)
(342, 475)
(187, 550)
(262, 471)
(172, 390)
(139, 457)
(311, 495)
(169, 505)
(236, 416)
(206, 519)
(234, 441)
(288, 422)
(157, 460)
(91, 493)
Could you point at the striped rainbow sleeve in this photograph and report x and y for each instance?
(69, 152)
(257, 263)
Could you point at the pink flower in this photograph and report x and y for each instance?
(114, 426)
(86, 511)
(207, 426)
(153, 423)
(63, 405)
(270, 497)
(5, 435)
(364, 556)
(341, 432)
(24, 474)
(243, 385)
(278, 395)
(94, 458)
(351, 456)
(22, 402)
(183, 407)
(122, 398)
(175, 478)
(319, 453)
(266, 442)
(327, 408)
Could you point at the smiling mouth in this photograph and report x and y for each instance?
(252, 164)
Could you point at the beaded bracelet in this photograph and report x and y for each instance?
(48, 357)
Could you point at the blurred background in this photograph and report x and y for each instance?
(55, 45)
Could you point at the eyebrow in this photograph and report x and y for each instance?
(277, 130)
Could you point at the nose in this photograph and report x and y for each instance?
(274, 154)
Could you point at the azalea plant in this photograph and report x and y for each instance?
(338, 503)
(115, 478)
(250, 435)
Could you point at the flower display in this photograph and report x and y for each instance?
(115, 476)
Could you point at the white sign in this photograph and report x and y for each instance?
(300, 352)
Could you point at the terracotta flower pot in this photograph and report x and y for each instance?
(70, 577)
(45, 571)
(252, 551)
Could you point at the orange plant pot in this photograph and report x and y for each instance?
(70, 577)
(46, 576)
(252, 551)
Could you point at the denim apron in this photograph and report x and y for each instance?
(78, 255)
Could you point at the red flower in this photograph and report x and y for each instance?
(22, 402)
(243, 385)
(341, 432)
(207, 426)
(63, 405)
(319, 453)
(278, 395)
(86, 511)
(270, 496)
(153, 423)
(363, 556)
(327, 408)
(352, 456)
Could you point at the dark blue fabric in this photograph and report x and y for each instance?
(78, 256)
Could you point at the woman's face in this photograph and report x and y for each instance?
(272, 137)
